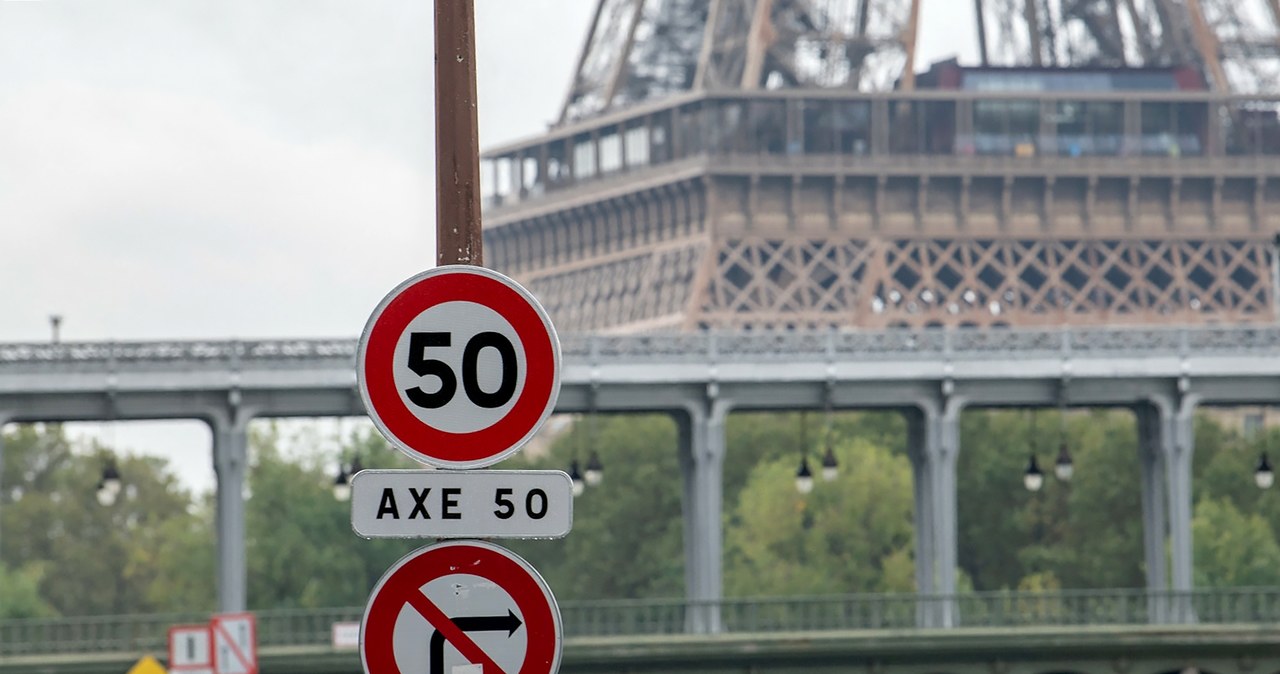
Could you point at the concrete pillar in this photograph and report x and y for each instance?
(4, 419)
(1177, 446)
(937, 446)
(922, 480)
(230, 461)
(1154, 520)
(945, 443)
(685, 431)
(702, 465)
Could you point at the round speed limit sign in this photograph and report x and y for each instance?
(459, 366)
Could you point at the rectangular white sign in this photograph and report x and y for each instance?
(235, 643)
(189, 650)
(346, 635)
(456, 504)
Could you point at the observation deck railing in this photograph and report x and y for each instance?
(1161, 131)
(605, 618)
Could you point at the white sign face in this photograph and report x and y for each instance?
(454, 504)
(346, 636)
(190, 650)
(235, 643)
(461, 607)
(459, 366)
(480, 346)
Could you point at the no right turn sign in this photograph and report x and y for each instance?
(461, 607)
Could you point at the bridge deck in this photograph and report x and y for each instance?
(661, 372)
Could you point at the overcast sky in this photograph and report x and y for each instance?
(247, 168)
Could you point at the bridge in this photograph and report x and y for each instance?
(930, 375)
(1033, 633)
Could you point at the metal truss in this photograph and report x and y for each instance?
(640, 50)
(765, 282)
(649, 288)
(1235, 43)
(790, 283)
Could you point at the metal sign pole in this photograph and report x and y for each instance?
(458, 239)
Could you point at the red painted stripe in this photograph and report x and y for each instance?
(244, 660)
(459, 639)
(378, 367)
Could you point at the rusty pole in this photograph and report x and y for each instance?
(458, 238)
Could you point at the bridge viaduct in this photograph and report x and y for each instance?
(931, 375)
(1135, 650)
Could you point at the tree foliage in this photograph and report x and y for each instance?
(301, 550)
(1233, 549)
(1086, 533)
(61, 553)
(20, 594)
(627, 538)
(853, 534)
(92, 559)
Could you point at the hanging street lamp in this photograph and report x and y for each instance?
(1033, 479)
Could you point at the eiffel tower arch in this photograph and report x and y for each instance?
(775, 164)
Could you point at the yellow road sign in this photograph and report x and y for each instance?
(148, 665)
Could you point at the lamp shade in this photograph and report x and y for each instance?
(110, 484)
(1264, 477)
(804, 477)
(1032, 478)
(595, 470)
(1063, 468)
(342, 486)
(576, 475)
(830, 467)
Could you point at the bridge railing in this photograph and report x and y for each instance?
(908, 343)
(1068, 608)
(708, 346)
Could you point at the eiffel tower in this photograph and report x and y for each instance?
(787, 164)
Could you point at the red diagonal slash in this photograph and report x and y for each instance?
(459, 639)
(231, 643)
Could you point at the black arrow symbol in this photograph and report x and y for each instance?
(508, 623)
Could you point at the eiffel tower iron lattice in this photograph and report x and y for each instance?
(767, 164)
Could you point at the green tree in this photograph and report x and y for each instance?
(20, 594)
(1097, 539)
(627, 539)
(1233, 549)
(992, 526)
(301, 550)
(182, 553)
(93, 559)
(1085, 533)
(755, 437)
(851, 535)
(1224, 461)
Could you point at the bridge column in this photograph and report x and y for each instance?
(922, 480)
(230, 460)
(1154, 516)
(935, 446)
(1176, 437)
(702, 450)
(5, 416)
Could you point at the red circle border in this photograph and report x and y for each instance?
(503, 567)
(375, 366)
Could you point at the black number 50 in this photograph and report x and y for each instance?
(422, 366)
(535, 504)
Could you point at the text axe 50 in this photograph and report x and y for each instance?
(455, 504)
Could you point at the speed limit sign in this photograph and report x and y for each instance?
(459, 366)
